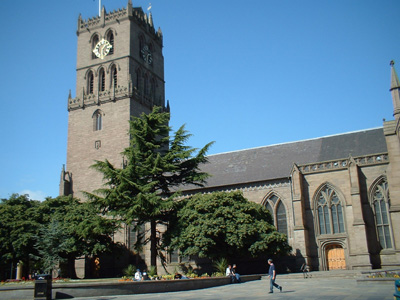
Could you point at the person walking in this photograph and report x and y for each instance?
(272, 275)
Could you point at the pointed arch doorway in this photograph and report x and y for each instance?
(335, 257)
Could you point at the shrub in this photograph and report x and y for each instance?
(153, 271)
(220, 265)
(218, 274)
(130, 270)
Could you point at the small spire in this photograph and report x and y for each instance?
(395, 91)
(150, 19)
(394, 79)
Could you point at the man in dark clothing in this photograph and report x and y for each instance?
(272, 275)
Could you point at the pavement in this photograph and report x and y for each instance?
(343, 286)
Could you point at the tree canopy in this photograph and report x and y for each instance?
(46, 233)
(156, 165)
(224, 225)
(71, 229)
(19, 222)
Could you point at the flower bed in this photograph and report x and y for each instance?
(384, 274)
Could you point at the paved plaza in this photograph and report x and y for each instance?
(293, 288)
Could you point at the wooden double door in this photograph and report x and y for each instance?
(335, 257)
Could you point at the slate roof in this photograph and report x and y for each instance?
(276, 161)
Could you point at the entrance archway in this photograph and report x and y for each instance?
(335, 258)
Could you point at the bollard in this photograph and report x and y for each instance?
(43, 287)
(397, 290)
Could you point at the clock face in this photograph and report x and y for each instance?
(102, 48)
(146, 55)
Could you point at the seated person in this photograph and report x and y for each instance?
(234, 273)
(145, 275)
(138, 276)
(229, 273)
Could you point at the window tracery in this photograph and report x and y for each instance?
(278, 212)
(380, 202)
(329, 212)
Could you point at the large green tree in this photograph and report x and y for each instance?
(71, 229)
(156, 164)
(224, 225)
(19, 222)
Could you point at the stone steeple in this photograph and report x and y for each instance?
(395, 90)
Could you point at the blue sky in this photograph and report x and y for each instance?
(241, 73)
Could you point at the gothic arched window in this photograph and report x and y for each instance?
(114, 77)
(102, 80)
(146, 85)
(330, 212)
(90, 83)
(138, 74)
(141, 44)
(95, 40)
(97, 120)
(110, 39)
(277, 209)
(152, 88)
(380, 202)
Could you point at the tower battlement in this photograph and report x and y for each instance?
(145, 21)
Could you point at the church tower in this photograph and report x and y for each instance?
(119, 74)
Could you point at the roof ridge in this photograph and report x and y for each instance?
(299, 141)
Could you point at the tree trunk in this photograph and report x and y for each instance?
(153, 243)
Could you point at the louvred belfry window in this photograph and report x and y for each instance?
(102, 80)
(90, 87)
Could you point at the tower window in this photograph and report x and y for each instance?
(146, 85)
(138, 74)
(95, 40)
(110, 38)
(277, 209)
(114, 77)
(98, 120)
(380, 204)
(141, 45)
(90, 83)
(152, 88)
(102, 81)
(330, 213)
(135, 235)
